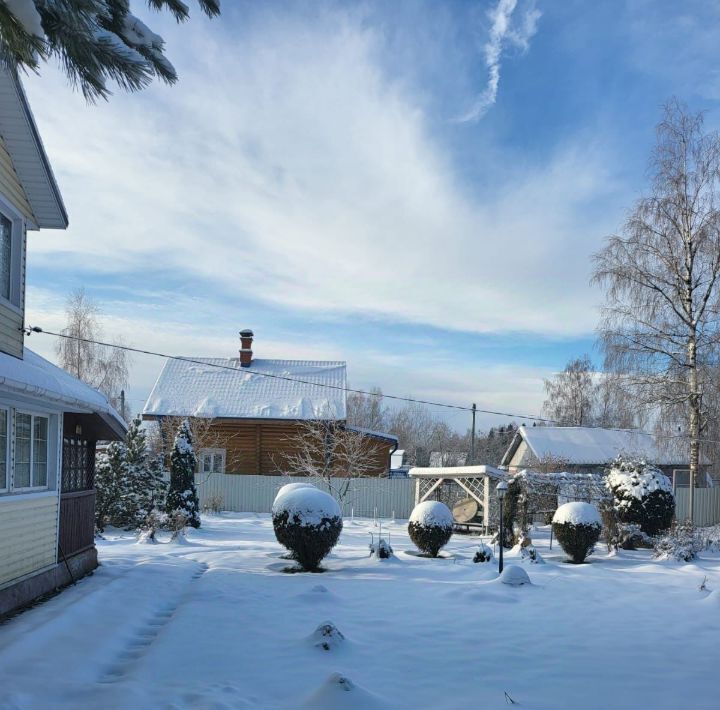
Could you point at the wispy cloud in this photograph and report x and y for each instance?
(508, 28)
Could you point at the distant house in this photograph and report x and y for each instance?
(256, 408)
(586, 449)
(49, 421)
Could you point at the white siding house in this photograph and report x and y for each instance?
(38, 401)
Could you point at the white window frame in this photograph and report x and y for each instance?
(16, 248)
(8, 439)
(210, 452)
(31, 488)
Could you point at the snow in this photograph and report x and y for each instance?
(27, 15)
(514, 576)
(577, 514)
(215, 623)
(36, 377)
(219, 387)
(593, 445)
(307, 505)
(432, 512)
(277, 503)
(638, 484)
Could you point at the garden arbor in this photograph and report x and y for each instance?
(451, 484)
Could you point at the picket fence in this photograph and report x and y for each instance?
(366, 497)
(706, 505)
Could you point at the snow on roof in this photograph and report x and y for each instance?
(592, 445)
(202, 389)
(35, 376)
(456, 472)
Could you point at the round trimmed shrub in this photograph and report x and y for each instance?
(276, 506)
(430, 526)
(642, 495)
(577, 528)
(308, 522)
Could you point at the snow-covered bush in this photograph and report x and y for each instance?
(308, 522)
(430, 526)
(530, 554)
(182, 495)
(577, 527)
(381, 549)
(642, 495)
(154, 521)
(282, 531)
(213, 504)
(483, 554)
(681, 543)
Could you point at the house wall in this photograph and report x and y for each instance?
(262, 446)
(12, 317)
(522, 458)
(28, 535)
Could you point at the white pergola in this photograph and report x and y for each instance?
(476, 481)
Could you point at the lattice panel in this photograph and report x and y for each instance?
(476, 485)
(425, 485)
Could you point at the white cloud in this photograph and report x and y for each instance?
(289, 165)
(505, 31)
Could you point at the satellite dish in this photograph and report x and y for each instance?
(465, 510)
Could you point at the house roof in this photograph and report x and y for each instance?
(374, 434)
(23, 143)
(591, 445)
(267, 389)
(36, 377)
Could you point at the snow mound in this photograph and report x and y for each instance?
(577, 514)
(514, 576)
(327, 637)
(307, 506)
(432, 512)
(338, 692)
(287, 488)
(713, 598)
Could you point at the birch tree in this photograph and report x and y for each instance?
(660, 320)
(571, 394)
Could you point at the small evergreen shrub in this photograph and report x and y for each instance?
(430, 526)
(642, 495)
(483, 554)
(308, 522)
(577, 528)
(182, 496)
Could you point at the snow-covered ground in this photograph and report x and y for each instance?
(215, 623)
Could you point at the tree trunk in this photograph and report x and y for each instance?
(694, 423)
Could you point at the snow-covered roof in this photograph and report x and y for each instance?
(371, 433)
(591, 445)
(36, 377)
(22, 140)
(267, 389)
(456, 472)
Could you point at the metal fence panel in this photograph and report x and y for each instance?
(366, 497)
(706, 505)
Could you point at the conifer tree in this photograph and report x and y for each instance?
(182, 496)
(141, 489)
(94, 40)
(110, 473)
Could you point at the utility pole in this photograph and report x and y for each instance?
(122, 404)
(472, 435)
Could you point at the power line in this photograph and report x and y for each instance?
(35, 329)
(29, 330)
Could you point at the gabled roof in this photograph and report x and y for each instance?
(591, 445)
(267, 389)
(36, 377)
(23, 143)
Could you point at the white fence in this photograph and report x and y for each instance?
(384, 497)
(706, 505)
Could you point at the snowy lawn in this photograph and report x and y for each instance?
(215, 623)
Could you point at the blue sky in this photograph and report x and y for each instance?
(414, 187)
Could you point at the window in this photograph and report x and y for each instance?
(4, 449)
(211, 461)
(31, 451)
(6, 253)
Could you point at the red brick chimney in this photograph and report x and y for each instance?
(246, 353)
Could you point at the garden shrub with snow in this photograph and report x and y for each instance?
(484, 553)
(430, 526)
(308, 522)
(681, 543)
(642, 495)
(577, 527)
(282, 531)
